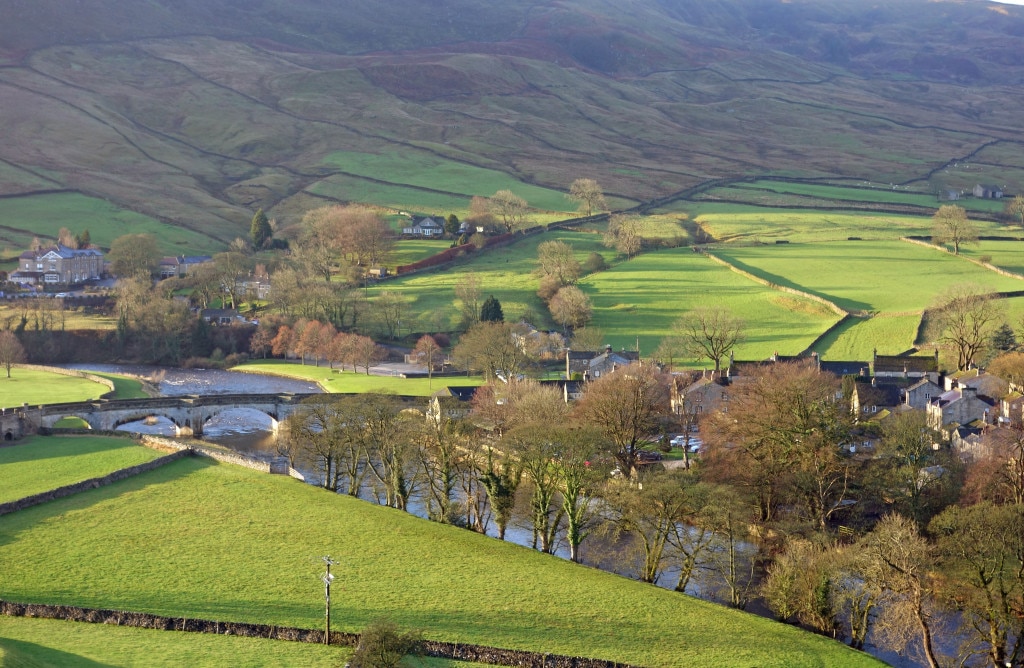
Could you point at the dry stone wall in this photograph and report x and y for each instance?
(463, 652)
(91, 483)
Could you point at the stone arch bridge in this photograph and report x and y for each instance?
(188, 413)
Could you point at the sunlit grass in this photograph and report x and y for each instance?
(885, 276)
(641, 298)
(334, 380)
(224, 542)
(38, 464)
(34, 387)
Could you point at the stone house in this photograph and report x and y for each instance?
(960, 406)
(906, 367)
(181, 266)
(58, 265)
(870, 398)
(424, 226)
(920, 394)
(987, 191)
(701, 396)
(452, 403)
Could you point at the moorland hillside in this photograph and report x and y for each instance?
(195, 113)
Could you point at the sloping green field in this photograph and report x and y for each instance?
(44, 215)
(642, 297)
(40, 464)
(505, 272)
(887, 276)
(223, 542)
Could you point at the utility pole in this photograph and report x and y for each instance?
(327, 579)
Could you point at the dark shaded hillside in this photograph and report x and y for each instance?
(196, 112)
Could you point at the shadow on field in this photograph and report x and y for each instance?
(848, 304)
(21, 653)
(15, 522)
(35, 449)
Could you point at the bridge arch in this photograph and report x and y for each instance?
(128, 418)
(211, 413)
(50, 421)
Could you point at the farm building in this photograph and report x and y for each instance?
(988, 191)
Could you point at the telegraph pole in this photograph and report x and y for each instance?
(327, 579)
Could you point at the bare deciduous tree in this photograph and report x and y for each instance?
(587, 193)
(627, 406)
(570, 307)
(11, 350)
(951, 225)
(509, 208)
(624, 234)
(709, 332)
(902, 565)
(967, 317)
(556, 259)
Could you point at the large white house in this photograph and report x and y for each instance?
(58, 265)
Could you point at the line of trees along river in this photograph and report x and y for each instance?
(911, 554)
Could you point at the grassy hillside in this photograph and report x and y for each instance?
(195, 113)
(228, 543)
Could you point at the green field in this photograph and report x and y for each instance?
(125, 387)
(44, 215)
(430, 171)
(1008, 255)
(642, 297)
(34, 387)
(333, 380)
(227, 543)
(859, 338)
(869, 276)
(504, 272)
(38, 464)
(742, 222)
(408, 251)
(42, 643)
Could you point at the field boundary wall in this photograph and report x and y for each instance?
(835, 308)
(839, 323)
(986, 265)
(279, 466)
(435, 648)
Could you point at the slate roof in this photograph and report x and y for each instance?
(908, 363)
(848, 368)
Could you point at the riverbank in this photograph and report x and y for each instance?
(338, 381)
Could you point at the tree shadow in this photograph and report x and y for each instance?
(25, 653)
(20, 520)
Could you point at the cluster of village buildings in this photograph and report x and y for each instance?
(970, 411)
